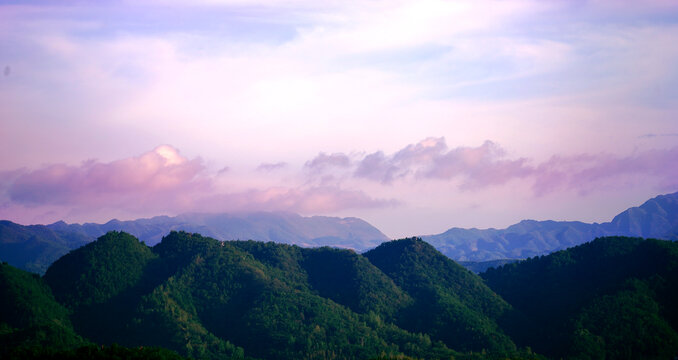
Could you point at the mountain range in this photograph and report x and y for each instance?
(35, 247)
(202, 298)
(281, 227)
(656, 218)
(247, 299)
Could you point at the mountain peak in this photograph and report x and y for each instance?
(657, 218)
(435, 281)
(99, 270)
(412, 244)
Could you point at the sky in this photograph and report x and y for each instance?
(416, 116)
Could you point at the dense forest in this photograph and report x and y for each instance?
(206, 299)
(612, 298)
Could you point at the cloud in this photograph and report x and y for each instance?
(266, 167)
(652, 135)
(480, 167)
(587, 172)
(305, 200)
(488, 165)
(223, 170)
(378, 167)
(431, 159)
(152, 174)
(323, 161)
(161, 181)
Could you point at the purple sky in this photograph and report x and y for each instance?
(416, 116)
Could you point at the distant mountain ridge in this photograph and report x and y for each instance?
(281, 227)
(35, 247)
(656, 218)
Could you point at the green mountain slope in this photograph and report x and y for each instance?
(343, 276)
(257, 306)
(207, 299)
(210, 299)
(614, 297)
(352, 280)
(30, 316)
(450, 303)
(99, 271)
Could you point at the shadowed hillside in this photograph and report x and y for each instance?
(611, 298)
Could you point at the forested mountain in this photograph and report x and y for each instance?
(30, 316)
(450, 303)
(656, 218)
(230, 300)
(35, 247)
(207, 299)
(611, 298)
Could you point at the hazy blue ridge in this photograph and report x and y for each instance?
(656, 218)
(35, 247)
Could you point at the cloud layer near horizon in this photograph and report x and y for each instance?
(475, 168)
(162, 181)
(159, 181)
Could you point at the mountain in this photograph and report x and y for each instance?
(229, 300)
(30, 317)
(656, 218)
(614, 298)
(282, 227)
(35, 247)
(33, 325)
(450, 303)
(345, 277)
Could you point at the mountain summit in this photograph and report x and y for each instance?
(656, 218)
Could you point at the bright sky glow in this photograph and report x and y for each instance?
(414, 115)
